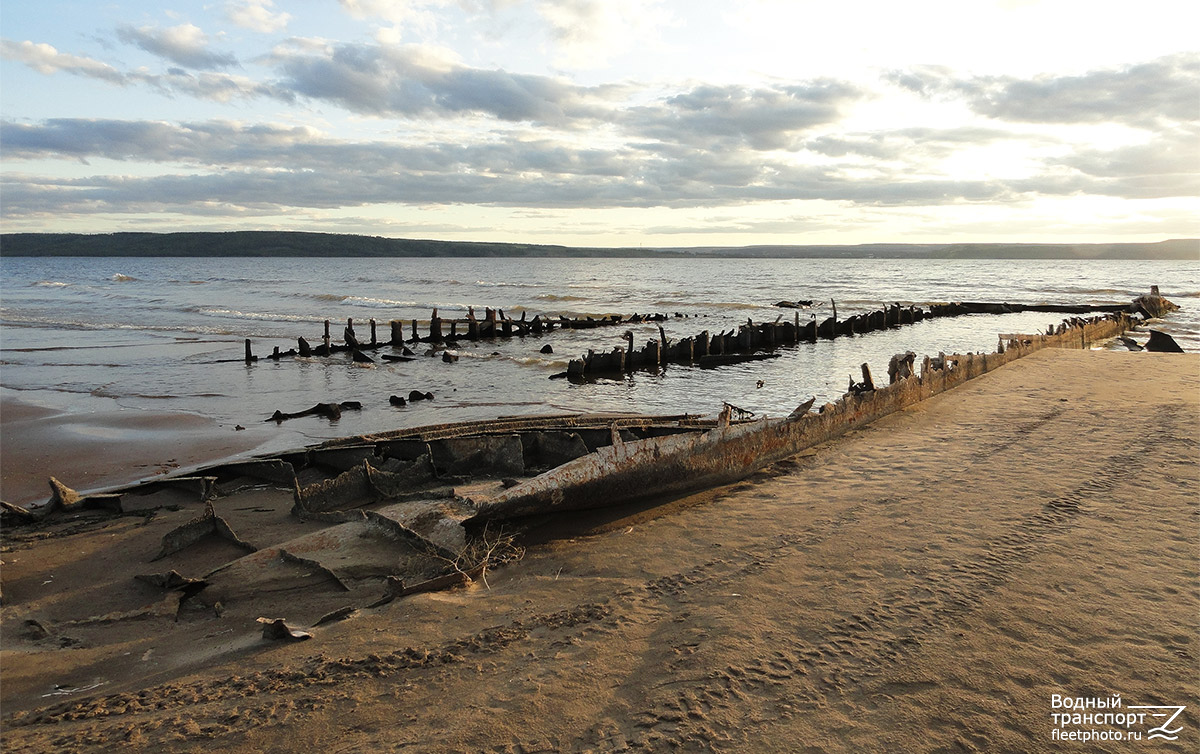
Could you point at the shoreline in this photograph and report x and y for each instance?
(1026, 534)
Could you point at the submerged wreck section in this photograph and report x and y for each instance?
(754, 341)
(493, 325)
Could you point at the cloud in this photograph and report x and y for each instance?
(218, 87)
(726, 116)
(258, 15)
(1163, 167)
(262, 168)
(185, 45)
(45, 59)
(907, 143)
(1143, 95)
(408, 81)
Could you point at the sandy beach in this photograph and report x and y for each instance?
(929, 583)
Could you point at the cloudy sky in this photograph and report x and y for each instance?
(606, 122)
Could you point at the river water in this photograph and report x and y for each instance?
(165, 334)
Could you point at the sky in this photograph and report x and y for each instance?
(606, 122)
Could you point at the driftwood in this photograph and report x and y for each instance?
(332, 411)
(340, 614)
(395, 588)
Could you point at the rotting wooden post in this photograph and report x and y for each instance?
(505, 325)
(416, 337)
(654, 349)
(374, 341)
(663, 343)
(809, 333)
(866, 373)
(325, 337)
(685, 350)
(303, 348)
(490, 315)
(275, 354)
(435, 327)
(700, 347)
(834, 304)
(472, 324)
(397, 332)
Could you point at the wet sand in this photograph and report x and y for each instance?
(100, 449)
(925, 584)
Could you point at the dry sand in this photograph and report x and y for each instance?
(925, 584)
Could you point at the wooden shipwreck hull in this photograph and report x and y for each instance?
(666, 466)
(661, 466)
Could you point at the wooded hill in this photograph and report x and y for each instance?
(292, 244)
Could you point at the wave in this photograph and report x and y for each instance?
(51, 284)
(502, 284)
(104, 392)
(120, 278)
(378, 303)
(558, 297)
(235, 313)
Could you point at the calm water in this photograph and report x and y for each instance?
(91, 334)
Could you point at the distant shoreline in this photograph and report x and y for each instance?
(305, 244)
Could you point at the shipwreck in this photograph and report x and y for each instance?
(359, 522)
